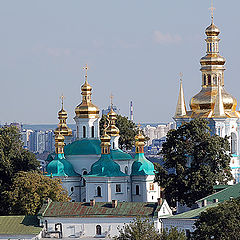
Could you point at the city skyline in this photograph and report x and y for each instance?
(44, 47)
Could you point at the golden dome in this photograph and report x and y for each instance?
(204, 101)
(112, 130)
(139, 142)
(212, 30)
(105, 142)
(62, 127)
(59, 143)
(86, 109)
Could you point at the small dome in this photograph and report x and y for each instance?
(142, 166)
(212, 30)
(106, 167)
(56, 168)
(112, 130)
(86, 109)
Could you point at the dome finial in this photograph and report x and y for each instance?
(86, 69)
(212, 10)
(62, 98)
(111, 101)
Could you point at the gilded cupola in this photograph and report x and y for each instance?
(212, 68)
(112, 130)
(59, 144)
(139, 142)
(86, 109)
(62, 127)
(105, 142)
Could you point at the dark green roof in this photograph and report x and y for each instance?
(118, 154)
(142, 166)
(192, 214)
(226, 194)
(83, 147)
(101, 209)
(106, 167)
(19, 225)
(220, 187)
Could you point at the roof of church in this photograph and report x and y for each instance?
(105, 167)
(60, 167)
(19, 225)
(83, 147)
(100, 209)
(226, 194)
(118, 154)
(142, 166)
(192, 214)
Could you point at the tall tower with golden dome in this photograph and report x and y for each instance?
(87, 114)
(213, 102)
(62, 127)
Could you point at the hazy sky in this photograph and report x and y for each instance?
(135, 50)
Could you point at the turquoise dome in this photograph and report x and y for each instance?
(56, 168)
(142, 166)
(106, 167)
(60, 167)
(83, 147)
(118, 154)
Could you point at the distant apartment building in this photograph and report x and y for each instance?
(157, 136)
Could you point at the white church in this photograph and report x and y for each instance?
(94, 168)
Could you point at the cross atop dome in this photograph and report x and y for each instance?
(212, 10)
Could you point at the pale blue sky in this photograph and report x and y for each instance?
(135, 50)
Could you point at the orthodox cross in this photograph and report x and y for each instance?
(62, 98)
(181, 75)
(111, 100)
(86, 69)
(212, 10)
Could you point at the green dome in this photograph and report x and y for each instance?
(142, 166)
(118, 154)
(106, 167)
(83, 147)
(55, 167)
(60, 167)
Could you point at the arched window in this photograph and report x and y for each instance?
(72, 189)
(137, 190)
(99, 191)
(113, 145)
(204, 79)
(84, 172)
(126, 169)
(233, 143)
(215, 80)
(98, 230)
(92, 131)
(209, 79)
(77, 132)
(84, 132)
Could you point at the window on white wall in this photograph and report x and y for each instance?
(98, 230)
(137, 190)
(126, 169)
(151, 186)
(84, 132)
(118, 188)
(99, 191)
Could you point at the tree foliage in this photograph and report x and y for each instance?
(143, 229)
(197, 161)
(127, 129)
(220, 222)
(30, 189)
(13, 158)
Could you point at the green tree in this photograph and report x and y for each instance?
(143, 229)
(30, 189)
(127, 129)
(220, 222)
(13, 158)
(194, 160)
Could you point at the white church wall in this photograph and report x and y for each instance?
(86, 227)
